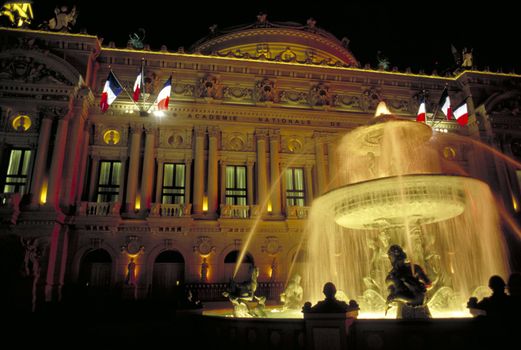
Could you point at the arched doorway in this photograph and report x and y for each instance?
(96, 271)
(169, 271)
(230, 262)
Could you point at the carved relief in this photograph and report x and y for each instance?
(348, 102)
(294, 97)
(234, 141)
(271, 245)
(238, 93)
(204, 246)
(209, 87)
(265, 91)
(401, 106)
(177, 138)
(27, 70)
(183, 89)
(370, 98)
(110, 135)
(319, 95)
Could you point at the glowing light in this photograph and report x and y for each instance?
(137, 205)
(515, 205)
(159, 114)
(43, 193)
(269, 207)
(111, 137)
(382, 109)
(21, 123)
(205, 203)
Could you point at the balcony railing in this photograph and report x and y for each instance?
(171, 210)
(297, 212)
(229, 211)
(99, 209)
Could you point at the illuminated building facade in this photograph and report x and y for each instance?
(247, 143)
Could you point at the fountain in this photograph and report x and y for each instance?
(391, 190)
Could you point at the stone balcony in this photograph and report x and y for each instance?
(229, 211)
(99, 209)
(297, 212)
(171, 210)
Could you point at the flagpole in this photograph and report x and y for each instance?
(438, 108)
(143, 93)
(128, 94)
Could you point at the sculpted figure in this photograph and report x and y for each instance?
(292, 296)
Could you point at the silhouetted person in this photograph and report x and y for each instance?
(496, 306)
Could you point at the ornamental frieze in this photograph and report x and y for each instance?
(175, 138)
(294, 97)
(349, 102)
(237, 141)
(27, 70)
(209, 86)
(183, 89)
(266, 91)
(238, 93)
(319, 95)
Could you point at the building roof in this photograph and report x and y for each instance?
(278, 41)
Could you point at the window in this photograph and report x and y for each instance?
(17, 170)
(173, 191)
(108, 183)
(235, 185)
(295, 187)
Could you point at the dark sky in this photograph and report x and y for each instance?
(417, 36)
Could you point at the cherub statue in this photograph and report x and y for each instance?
(467, 58)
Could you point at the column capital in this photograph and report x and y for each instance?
(213, 131)
(250, 162)
(261, 134)
(199, 130)
(149, 129)
(136, 128)
(274, 134)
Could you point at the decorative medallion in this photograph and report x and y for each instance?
(271, 245)
(204, 246)
(111, 137)
(21, 123)
(133, 246)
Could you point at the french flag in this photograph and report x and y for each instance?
(420, 117)
(111, 90)
(138, 86)
(462, 114)
(164, 95)
(444, 104)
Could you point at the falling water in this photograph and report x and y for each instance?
(390, 191)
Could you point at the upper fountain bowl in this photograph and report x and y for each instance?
(391, 201)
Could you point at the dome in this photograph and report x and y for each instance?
(278, 41)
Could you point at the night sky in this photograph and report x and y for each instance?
(417, 36)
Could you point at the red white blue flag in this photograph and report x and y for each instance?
(111, 90)
(138, 87)
(164, 95)
(462, 114)
(444, 104)
(420, 117)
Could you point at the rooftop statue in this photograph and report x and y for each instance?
(136, 41)
(242, 296)
(63, 20)
(407, 286)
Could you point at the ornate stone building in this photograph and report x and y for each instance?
(246, 144)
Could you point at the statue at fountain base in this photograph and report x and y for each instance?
(242, 296)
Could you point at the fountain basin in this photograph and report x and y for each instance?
(385, 202)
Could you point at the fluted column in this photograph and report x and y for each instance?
(309, 184)
(320, 165)
(147, 178)
(56, 170)
(275, 172)
(133, 167)
(262, 167)
(93, 178)
(213, 185)
(40, 162)
(159, 180)
(223, 181)
(188, 179)
(331, 157)
(199, 170)
(249, 182)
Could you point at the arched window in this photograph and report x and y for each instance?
(96, 271)
(230, 264)
(169, 271)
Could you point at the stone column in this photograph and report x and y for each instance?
(159, 180)
(249, 183)
(223, 181)
(188, 179)
(40, 163)
(84, 160)
(262, 168)
(56, 170)
(213, 186)
(93, 178)
(284, 187)
(320, 164)
(331, 157)
(72, 160)
(275, 172)
(309, 184)
(199, 132)
(133, 167)
(122, 176)
(147, 178)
